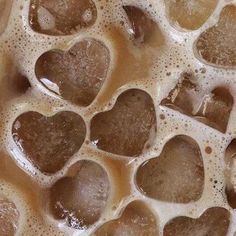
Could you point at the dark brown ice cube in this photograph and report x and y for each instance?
(49, 142)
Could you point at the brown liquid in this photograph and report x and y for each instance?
(61, 17)
(137, 63)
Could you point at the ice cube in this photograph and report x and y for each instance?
(61, 17)
(49, 142)
(217, 45)
(216, 108)
(129, 127)
(77, 74)
(214, 222)
(9, 217)
(190, 14)
(177, 175)
(142, 27)
(80, 199)
(136, 220)
(181, 97)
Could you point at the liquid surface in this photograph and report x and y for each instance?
(80, 199)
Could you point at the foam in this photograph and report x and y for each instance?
(176, 56)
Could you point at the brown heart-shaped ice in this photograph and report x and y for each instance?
(137, 219)
(189, 15)
(49, 142)
(13, 83)
(76, 75)
(213, 222)
(217, 45)
(9, 217)
(142, 28)
(61, 17)
(212, 109)
(129, 127)
(81, 197)
(177, 175)
(230, 175)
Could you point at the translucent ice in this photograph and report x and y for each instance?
(49, 142)
(217, 45)
(190, 14)
(129, 127)
(77, 74)
(80, 199)
(177, 175)
(136, 220)
(213, 222)
(9, 217)
(61, 17)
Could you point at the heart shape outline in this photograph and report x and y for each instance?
(80, 197)
(216, 45)
(166, 177)
(117, 135)
(185, 226)
(43, 140)
(180, 98)
(78, 74)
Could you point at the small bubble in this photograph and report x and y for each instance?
(208, 150)
(162, 117)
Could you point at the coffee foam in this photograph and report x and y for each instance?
(169, 61)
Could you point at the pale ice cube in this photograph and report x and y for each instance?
(45, 19)
(212, 109)
(181, 98)
(216, 108)
(217, 45)
(137, 219)
(213, 222)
